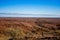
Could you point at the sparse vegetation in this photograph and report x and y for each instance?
(29, 29)
(58, 26)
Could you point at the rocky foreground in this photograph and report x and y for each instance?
(29, 29)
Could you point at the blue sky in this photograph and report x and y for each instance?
(29, 8)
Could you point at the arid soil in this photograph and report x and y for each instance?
(29, 29)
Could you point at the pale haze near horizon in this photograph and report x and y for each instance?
(29, 8)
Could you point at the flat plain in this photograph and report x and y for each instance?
(29, 28)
